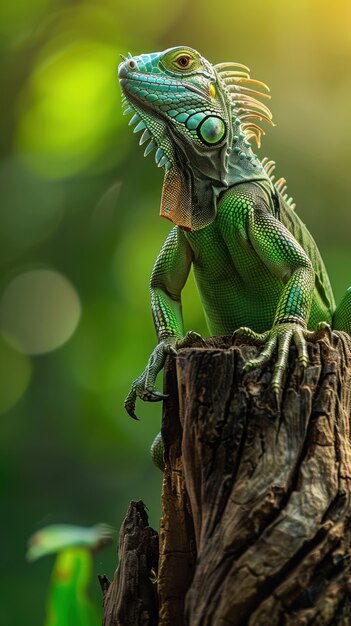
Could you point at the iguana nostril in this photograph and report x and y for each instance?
(132, 64)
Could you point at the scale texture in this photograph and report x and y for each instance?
(257, 268)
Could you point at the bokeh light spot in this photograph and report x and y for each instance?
(69, 109)
(15, 373)
(39, 311)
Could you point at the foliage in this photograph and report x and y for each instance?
(68, 602)
(79, 231)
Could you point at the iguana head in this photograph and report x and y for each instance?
(197, 118)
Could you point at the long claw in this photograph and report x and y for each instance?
(283, 335)
(263, 358)
(133, 416)
(303, 361)
(193, 335)
(189, 339)
(158, 398)
(249, 365)
(130, 408)
(243, 331)
(323, 330)
(152, 396)
(144, 386)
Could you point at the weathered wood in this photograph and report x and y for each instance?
(131, 600)
(177, 539)
(256, 522)
(269, 489)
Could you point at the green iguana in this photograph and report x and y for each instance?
(257, 268)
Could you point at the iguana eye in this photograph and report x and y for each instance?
(183, 61)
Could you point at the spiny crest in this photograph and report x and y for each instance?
(279, 184)
(160, 157)
(242, 90)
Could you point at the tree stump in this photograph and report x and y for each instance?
(131, 598)
(256, 523)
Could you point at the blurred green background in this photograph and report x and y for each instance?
(80, 231)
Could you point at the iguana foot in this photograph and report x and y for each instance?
(144, 386)
(281, 336)
(188, 340)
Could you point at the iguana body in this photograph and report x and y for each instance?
(257, 268)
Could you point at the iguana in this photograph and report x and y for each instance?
(258, 270)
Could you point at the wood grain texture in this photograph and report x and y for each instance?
(131, 600)
(268, 485)
(177, 539)
(256, 521)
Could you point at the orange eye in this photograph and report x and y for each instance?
(183, 61)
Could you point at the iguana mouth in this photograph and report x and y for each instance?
(135, 77)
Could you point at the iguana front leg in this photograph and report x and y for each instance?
(286, 259)
(282, 336)
(167, 281)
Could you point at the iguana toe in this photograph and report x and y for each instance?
(188, 340)
(244, 331)
(149, 395)
(129, 406)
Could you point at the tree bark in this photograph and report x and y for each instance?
(256, 523)
(131, 598)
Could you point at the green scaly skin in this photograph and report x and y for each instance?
(257, 268)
